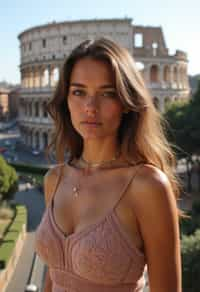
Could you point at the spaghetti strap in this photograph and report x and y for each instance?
(129, 182)
(60, 173)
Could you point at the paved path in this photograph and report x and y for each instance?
(33, 199)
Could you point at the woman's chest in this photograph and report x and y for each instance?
(75, 212)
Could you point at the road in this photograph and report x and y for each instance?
(34, 201)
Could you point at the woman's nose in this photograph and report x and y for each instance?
(91, 105)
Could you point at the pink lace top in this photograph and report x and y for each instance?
(100, 258)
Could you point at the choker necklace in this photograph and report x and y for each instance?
(98, 164)
(86, 166)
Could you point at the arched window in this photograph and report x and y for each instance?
(166, 73)
(138, 40)
(44, 109)
(156, 102)
(45, 139)
(37, 140)
(36, 109)
(154, 73)
(175, 74)
(45, 77)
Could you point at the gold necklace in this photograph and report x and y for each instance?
(99, 164)
(86, 165)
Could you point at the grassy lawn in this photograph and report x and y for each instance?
(6, 216)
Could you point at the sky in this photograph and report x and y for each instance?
(179, 19)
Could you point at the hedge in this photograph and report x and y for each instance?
(190, 249)
(29, 168)
(11, 236)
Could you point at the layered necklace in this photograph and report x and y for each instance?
(87, 166)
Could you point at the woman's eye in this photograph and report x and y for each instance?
(77, 92)
(109, 94)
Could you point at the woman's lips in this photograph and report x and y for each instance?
(92, 124)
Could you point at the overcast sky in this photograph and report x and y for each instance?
(180, 21)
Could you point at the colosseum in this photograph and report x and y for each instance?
(44, 48)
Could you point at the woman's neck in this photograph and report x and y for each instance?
(99, 153)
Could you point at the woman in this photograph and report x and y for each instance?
(111, 208)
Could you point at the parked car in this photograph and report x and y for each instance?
(35, 152)
(3, 149)
(7, 143)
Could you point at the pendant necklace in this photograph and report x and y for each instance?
(86, 167)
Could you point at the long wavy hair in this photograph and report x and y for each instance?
(142, 132)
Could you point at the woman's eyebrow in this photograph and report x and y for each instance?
(105, 86)
(77, 84)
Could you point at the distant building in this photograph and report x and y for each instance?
(14, 102)
(4, 104)
(44, 48)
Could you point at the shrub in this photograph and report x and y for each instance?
(6, 213)
(190, 249)
(8, 180)
(9, 240)
(189, 225)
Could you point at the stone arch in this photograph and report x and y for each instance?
(156, 102)
(30, 108)
(45, 139)
(26, 108)
(180, 77)
(56, 74)
(36, 109)
(166, 73)
(37, 140)
(167, 101)
(184, 77)
(31, 138)
(45, 77)
(154, 73)
(175, 74)
(44, 109)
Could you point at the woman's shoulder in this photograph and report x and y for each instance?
(50, 180)
(149, 175)
(150, 187)
(53, 171)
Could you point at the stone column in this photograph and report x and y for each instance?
(40, 109)
(179, 77)
(33, 139)
(22, 79)
(34, 77)
(161, 73)
(147, 73)
(28, 78)
(49, 76)
(52, 75)
(171, 77)
(41, 76)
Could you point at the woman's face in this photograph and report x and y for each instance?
(93, 104)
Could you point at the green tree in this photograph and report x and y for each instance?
(184, 131)
(8, 180)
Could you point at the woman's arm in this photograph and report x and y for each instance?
(155, 206)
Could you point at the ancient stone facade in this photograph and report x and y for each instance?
(44, 48)
(4, 103)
